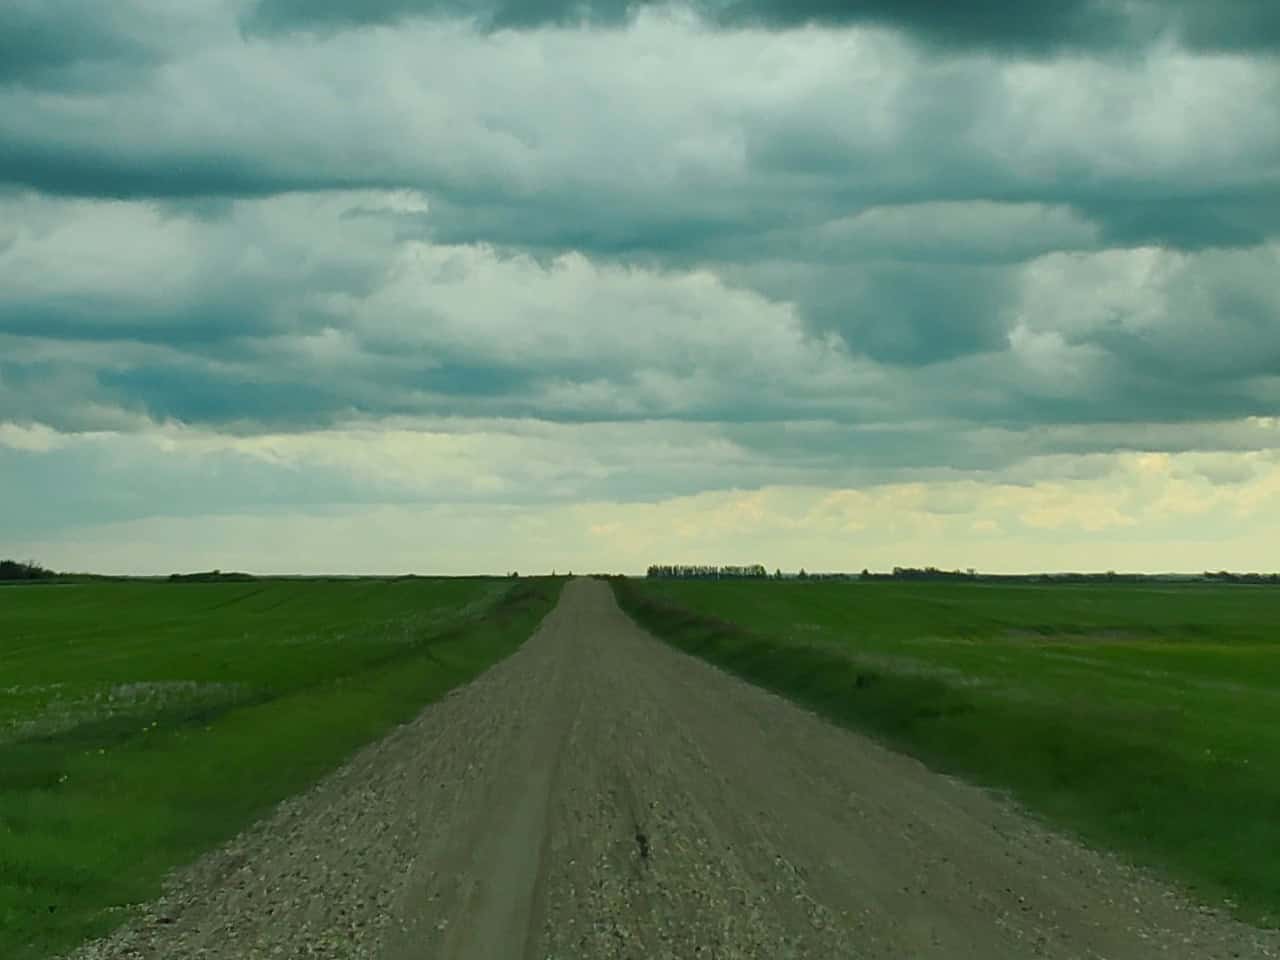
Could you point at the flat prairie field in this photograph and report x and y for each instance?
(142, 723)
(1144, 718)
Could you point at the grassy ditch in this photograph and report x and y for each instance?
(1141, 718)
(144, 723)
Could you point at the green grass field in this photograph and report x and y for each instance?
(1144, 718)
(143, 723)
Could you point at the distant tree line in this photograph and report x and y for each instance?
(921, 573)
(13, 570)
(1109, 577)
(211, 576)
(755, 571)
(937, 574)
(1225, 576)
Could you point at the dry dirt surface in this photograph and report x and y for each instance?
(601, 795)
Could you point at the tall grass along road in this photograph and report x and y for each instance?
(599, 794)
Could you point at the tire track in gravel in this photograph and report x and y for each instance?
(601, 795)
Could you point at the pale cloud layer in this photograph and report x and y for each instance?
(1155, 512)
(819, 284)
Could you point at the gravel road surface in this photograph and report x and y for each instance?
(601, 795)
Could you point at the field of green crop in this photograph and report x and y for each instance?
(143, 723)
(1146, 718)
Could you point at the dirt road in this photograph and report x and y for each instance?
(600, 795)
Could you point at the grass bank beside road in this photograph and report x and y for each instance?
(1141, 717)
(144, 723)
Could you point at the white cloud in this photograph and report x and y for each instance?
(36, 438)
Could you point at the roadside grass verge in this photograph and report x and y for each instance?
(143, 724)
(1142, 719)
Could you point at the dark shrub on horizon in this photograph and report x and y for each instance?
(13, 570)
(212, 576)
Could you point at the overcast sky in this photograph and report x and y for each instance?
(446, 286)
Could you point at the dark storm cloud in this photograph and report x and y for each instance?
(987, 24)
(208, 324)
(1193, 218)
(246, 384)
(906, 315)
(1035, 27)
(1226, 25)
(1136, 395)
(70, 44)
(192, 394)
(899, 314)
(629, 226)
(124, 172)
(284, 15)
(1186, 223)
(1013, 25)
